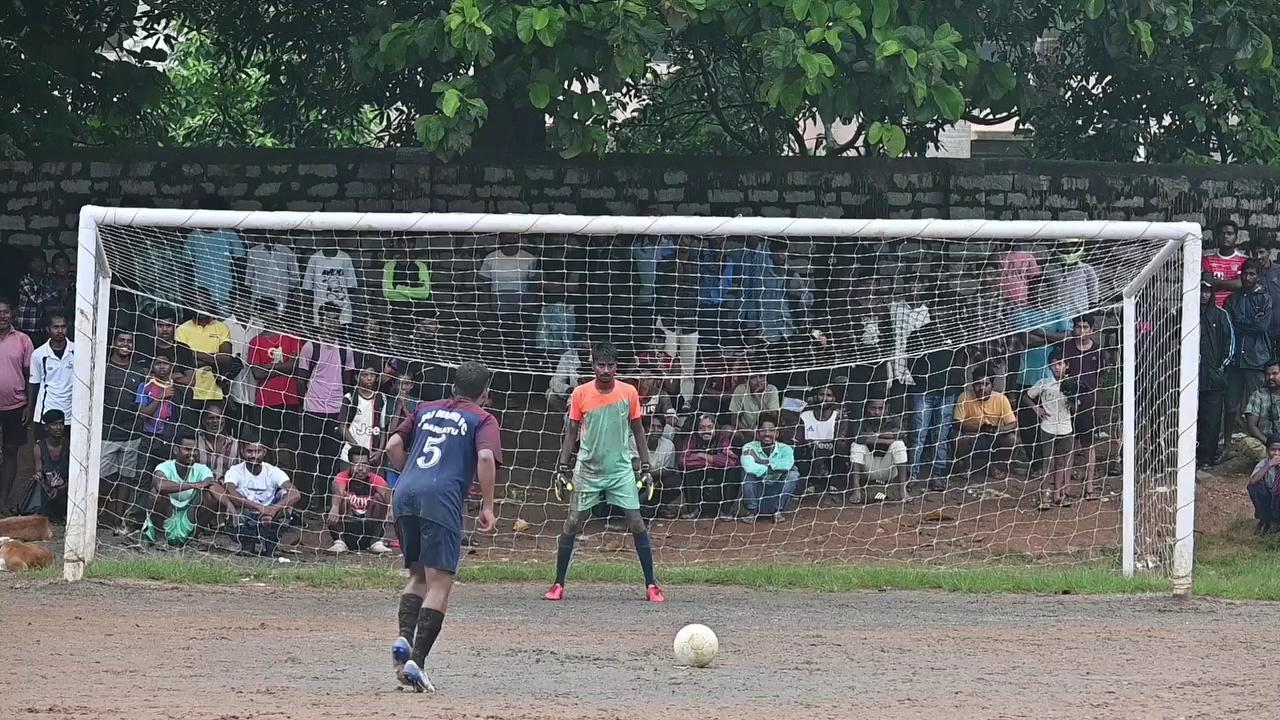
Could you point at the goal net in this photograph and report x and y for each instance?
(942, 392)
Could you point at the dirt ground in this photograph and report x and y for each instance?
(254, 653)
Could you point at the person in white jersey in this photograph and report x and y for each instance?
(52, 374)
(816, 437)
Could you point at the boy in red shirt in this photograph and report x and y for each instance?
(358, 511)
(1223, 267)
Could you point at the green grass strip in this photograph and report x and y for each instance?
(1083, 579)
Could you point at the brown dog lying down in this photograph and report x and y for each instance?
(32, 528)
(16, 555)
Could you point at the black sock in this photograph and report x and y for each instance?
(563, 555)
(644, 551)
(429, 622)
(410, 605)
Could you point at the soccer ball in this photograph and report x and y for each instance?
(696, 646)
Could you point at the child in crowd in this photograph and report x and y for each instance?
(1049, 397)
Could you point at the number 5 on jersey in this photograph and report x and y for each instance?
(430, 452)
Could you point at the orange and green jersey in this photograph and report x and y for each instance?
(604, 439)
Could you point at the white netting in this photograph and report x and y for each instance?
(817, 334)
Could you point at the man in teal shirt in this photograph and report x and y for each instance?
(770, 474)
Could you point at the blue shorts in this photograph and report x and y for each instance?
(428, 543)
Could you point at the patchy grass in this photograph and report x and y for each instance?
(1084, 579)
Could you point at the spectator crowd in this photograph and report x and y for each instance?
(253, 379)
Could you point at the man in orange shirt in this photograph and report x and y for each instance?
(987, 425)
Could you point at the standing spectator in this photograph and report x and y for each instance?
(567, 376)
(748, 266)
(365, 414)
(819, 428)
(557, 325)
(1263, 492)
(1260, 252)
(511, 272)
(939, 373)
(330, 277)
(1217, 347)
(34, 291)
(273, 359)
(271, 272)
(1224, 266)
(1042, 327)
(406, 281)
(879, 456)
(907, 314)
(1085, 361)
(209, 341)
(15, 368)
(1070, 283)
(676, 305)
(242, 325)
(1048, 398)
(717, 305)
(1017, 270)
(161, 342)
(52, 374)
(1250, 311)
(1262, 413)
(769, 474)
(752, 399)
(213, 255)
(647, 252)
(359, 507)
(987, 425)
(264, 496)
(708, 469)
(64, 287)
(328, 370)
(119, 467)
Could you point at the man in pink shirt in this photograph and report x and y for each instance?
(15, 367)
(1223, 267)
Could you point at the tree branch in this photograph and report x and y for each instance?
(714, 101)
(854, 139)
(997, 120)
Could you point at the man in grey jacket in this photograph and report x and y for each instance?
(1250, 311)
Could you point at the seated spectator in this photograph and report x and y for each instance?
(367, 419)
(186, 495)
(819, 428)
(1262, 413)
(753, 398)
(51, 467)
(264, 497)
(987, 426)
(160, 404)
(654, 399)
(1049, 399)
(1263, 492)
(359, 509)
(215, 446)
(708, 468)
(769, 474)
(879, 456)
(726, 371)
(662, 462)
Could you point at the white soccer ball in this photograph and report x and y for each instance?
(696, 646)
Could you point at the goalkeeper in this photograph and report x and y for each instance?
(604, 416)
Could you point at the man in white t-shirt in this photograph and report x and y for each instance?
(263, 495)
(52, 374)
(1057, 441)
(331, 277)
(272, 272)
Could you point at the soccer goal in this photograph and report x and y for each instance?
(944, 392)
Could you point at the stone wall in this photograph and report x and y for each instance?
(40, 196)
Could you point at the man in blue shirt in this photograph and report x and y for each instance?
(439, 449)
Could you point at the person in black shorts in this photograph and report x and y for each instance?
(438, 450)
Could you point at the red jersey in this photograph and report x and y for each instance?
(1223, 268)
(358, 501)
(277, 390)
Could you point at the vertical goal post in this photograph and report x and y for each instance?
(1180, 244)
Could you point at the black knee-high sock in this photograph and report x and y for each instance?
(429, 623)
(644, 551)
(410, 605)
(563, 555)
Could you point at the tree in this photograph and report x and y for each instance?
(1164, 80)
(70, 77)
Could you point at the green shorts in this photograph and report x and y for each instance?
(619, 491)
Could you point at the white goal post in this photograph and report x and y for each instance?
(1167, 281)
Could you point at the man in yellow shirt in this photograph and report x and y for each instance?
(987, 426)
(210, 343)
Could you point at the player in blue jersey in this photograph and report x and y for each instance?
(440, 449)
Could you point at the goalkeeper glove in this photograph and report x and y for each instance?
(644, 481)
(563, 480)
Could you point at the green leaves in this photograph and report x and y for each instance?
(949, 100)
(891, 137)
(1093, 8)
